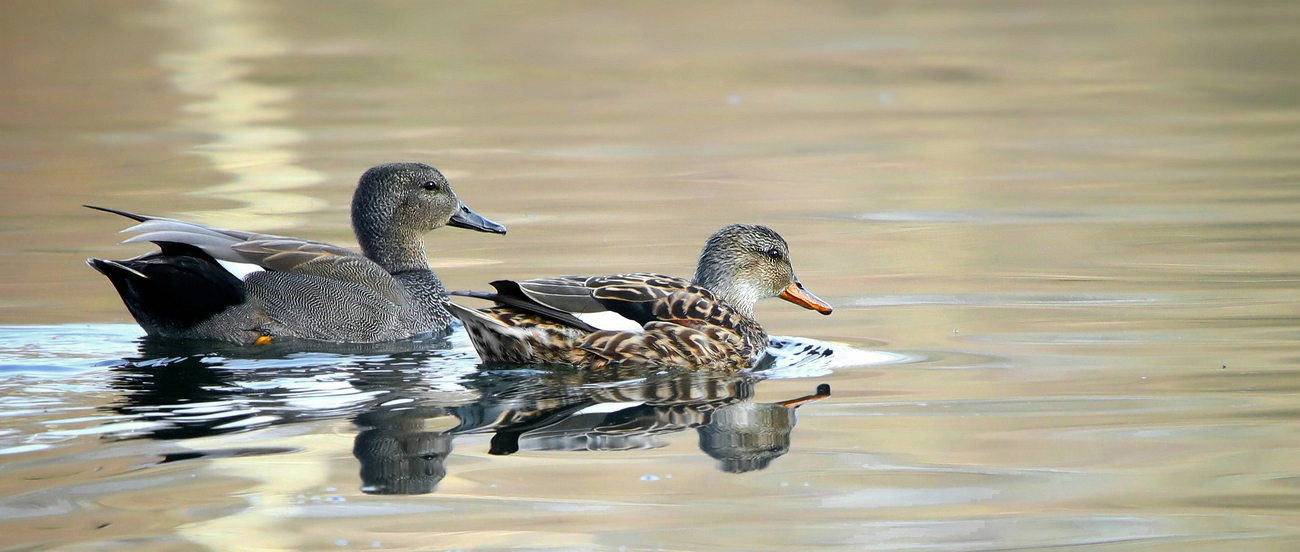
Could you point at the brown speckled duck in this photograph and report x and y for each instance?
(644, 319)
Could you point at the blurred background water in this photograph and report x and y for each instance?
(1060, 238)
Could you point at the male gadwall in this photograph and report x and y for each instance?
(706, 322)
(305, 289)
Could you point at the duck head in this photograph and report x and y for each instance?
(744, 263)
(397, 203)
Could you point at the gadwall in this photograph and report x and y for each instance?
(304, 289)
(706, 322)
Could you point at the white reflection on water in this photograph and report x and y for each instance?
(222, 39)
(203, 405)
(30, 351)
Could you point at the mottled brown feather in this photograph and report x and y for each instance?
(683, 325)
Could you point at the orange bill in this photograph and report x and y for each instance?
(795, 293)
(823, 391)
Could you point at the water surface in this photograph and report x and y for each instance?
(1060, 239)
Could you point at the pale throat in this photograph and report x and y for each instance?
(739, 295)
(743, 296)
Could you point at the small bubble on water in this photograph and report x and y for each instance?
(668, 476)
(733, 99)
(375, 544)
(315, 498)
(954, 330)
(341, 542)
(494, 485)
(330, 489)
(336, 499)
(785, 483)
(649, 477)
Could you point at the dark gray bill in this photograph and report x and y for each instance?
(465, 218)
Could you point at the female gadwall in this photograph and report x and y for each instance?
(706, 322)
(305, 289)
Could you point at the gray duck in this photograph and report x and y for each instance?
(705, 322)
(304, 289)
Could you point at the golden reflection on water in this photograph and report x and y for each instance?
(221, 41)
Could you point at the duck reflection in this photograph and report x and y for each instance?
(399, 455)
(748, 436)
(410, 405)
(201, 388)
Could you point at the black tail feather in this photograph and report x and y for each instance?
(172, 290)
(132, 216)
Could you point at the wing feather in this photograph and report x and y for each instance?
(640, 297)
(566, 293)
(277, 253)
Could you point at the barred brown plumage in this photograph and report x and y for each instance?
(706, 322)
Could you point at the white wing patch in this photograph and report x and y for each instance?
(610, 320)
(240, 270)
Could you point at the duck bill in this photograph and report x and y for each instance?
(823, 391)
(465, 218)
(795, 293)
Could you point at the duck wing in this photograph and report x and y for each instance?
(567, 293)
(647, 297)
(268, 251)
(684, 324)
(526, 309)
(567, 299)
(292, 255)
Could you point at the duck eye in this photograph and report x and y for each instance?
(430, 186)
(774, 254)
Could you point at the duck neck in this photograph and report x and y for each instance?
(395, 250)
(741, 298)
